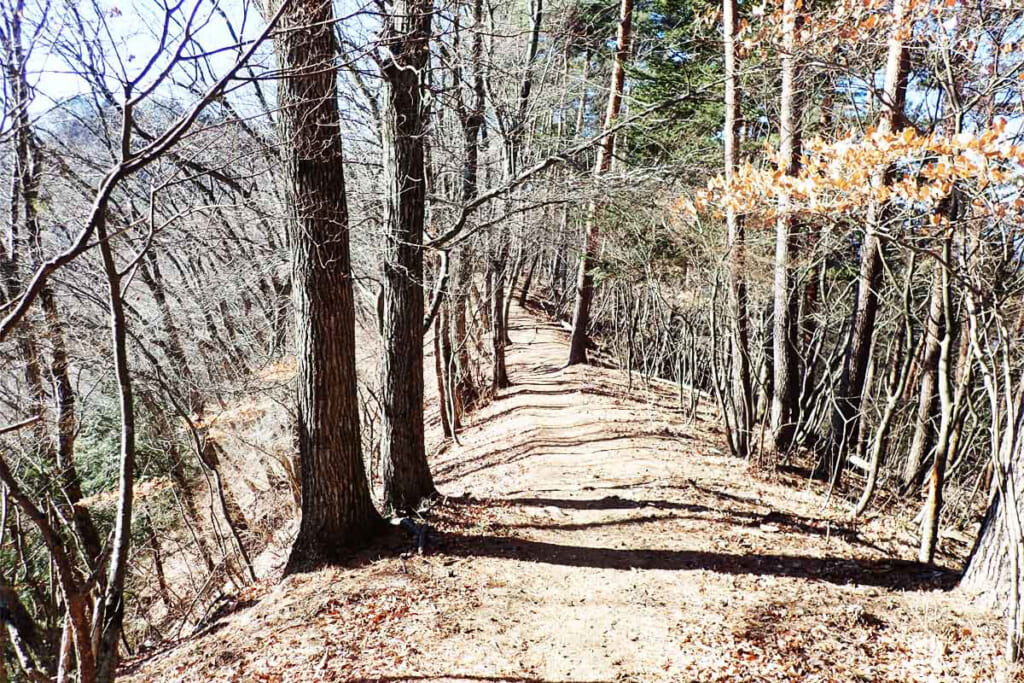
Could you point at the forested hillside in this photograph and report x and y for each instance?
(692, 329)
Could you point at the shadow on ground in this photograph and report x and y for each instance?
(892, 574)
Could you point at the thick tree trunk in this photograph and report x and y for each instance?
(784, 352)
(605, 153)
(407, 478)
(994, 570)
(337, 511)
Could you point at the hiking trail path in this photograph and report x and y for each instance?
(591, 535)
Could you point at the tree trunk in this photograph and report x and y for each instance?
(3, 652)
(846, 416)
(605, 152)
(739, 339)
(337, 511)
(994, 568)
(499, 373)
(525, 292)
(465, 391)
(112, 615)
(24, 217)
(924, 428)
(158, 563)
(449, 367)
(406, 475)
(996, 565)
(937, 478)
(440, 368)
(784, 350)
(510, 295)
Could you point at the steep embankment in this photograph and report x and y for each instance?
(594, 536)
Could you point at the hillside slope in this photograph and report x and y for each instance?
(592, 536)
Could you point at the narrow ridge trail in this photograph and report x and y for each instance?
(593, 535)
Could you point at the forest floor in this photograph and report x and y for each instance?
(591, 535)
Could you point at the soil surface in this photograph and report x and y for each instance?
(593, 534)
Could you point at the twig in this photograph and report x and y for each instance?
(20, 425)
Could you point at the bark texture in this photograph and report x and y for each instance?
(924, 427)
(994, 568)
(407, 478)
(742, 399)
(846, 416)
(337, 511)
(784, 339)
(605, 153)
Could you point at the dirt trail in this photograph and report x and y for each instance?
(591, 536)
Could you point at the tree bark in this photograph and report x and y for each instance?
(846, 415)
(337, 510)
(449, 368)
(924, 427)
(3, 651)
(405, 37)
(605, 153)
(784, 351)
(440, 370)
(524, 293)
(995, 569)
(499, 372)
(111, 618)
(937, 478)
(472, 121)
(742, 399)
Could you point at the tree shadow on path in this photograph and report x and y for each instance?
(788, 522)
(892, 574)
